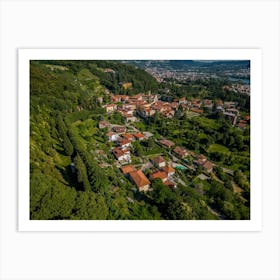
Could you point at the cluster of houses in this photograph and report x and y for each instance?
(243, 123)
(164, 172)
(182, 153)
(239, 88)
(122, 139)
(147, 105)
(230, 111)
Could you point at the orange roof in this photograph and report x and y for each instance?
(139, 178)
(180, 151)
(118, 152)
(168, 169)
(139, 135)
(208, 165)
(128, 136)
(167, 143)
(127, 169)
(158, 159)
(159, 174)
(196, 110)
(111, 134)
(124, 142)
(169, 184)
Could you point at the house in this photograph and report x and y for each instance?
(230, 104)
(159, 175)
(180, 152)
(127, 169)
(130, 106)
(167, 143)
(148, 134)
(112, 136)
(130, 118)
(241, 125)
(182, 100)
(137, 97)
(195, 110)
(124, 97)
(169, 170)
(128, 136)
(174, 105)
(233, 111)
(139, 136)
(201, 159)
(146, 112)
(140, 180)
(220, 109)
(119, 129)
(208, 104)
(168, 113)
(110, 108)
(121, 155)
(159, 162)
(103, 124)
(170, 184)
(208, 166)
(124, 144)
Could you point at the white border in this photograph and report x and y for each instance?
(254, 224)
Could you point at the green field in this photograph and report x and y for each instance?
(213, 148)
(204, 122)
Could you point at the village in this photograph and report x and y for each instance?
(110, 142)
(151, 167)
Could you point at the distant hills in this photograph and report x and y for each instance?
(188, 65)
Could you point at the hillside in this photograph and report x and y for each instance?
(77, 170)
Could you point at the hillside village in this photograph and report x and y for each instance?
(109, 141)
(144, 106)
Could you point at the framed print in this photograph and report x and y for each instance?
(140, 139)
(203, 75)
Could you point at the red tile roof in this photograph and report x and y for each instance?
(168, 169)
(167, 143)
(169, 184)
(139, 135)
(139, 178)
(196, 110)
(159, 174)
(127, 169)
(118, 152)
(124, 142)
(180, 151)
(208, 165)
(158, 159)
(128, 136)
